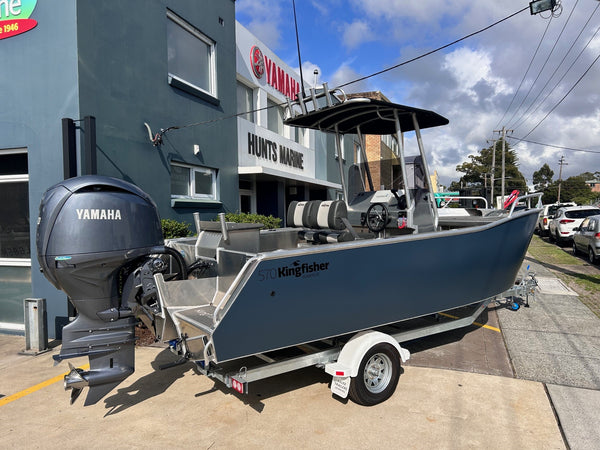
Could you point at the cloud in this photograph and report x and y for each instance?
(344, 74)
(264, 19)
(356, 33)
(472, 68)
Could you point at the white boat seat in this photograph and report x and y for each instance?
(322, 221)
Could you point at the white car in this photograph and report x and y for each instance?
(547, 215)
(567, 219)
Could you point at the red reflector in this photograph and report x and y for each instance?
(545, 221)
(236, 385)
(567, 221)
(340, 373)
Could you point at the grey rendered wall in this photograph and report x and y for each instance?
(123, 83)
(39, 87)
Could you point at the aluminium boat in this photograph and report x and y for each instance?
(337, 270)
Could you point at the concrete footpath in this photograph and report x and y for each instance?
(431, 408)
(556, 341)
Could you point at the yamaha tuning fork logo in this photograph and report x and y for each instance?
(257, 61)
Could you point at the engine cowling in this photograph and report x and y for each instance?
(89, 229)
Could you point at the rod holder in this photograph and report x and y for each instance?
(224, 227)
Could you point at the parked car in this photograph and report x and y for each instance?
(547, 215)
(567, 219)
(587, 238)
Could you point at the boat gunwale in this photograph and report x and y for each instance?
(371, 242)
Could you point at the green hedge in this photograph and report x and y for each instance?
(172, 229)
(267, 221)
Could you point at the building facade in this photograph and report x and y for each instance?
(160, 62)
(277, 164)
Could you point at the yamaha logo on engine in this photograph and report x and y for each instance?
(98, 214)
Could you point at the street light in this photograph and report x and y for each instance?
(538, 6)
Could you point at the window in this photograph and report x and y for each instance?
(15, 250)
(14, 209)
(245, 101)
(299, 134)
(193, 182)
(191, 58)
(274, 117)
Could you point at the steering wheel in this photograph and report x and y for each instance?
(378, 217)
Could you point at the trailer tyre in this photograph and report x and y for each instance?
(377, 376)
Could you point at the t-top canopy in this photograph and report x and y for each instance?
(373, 117)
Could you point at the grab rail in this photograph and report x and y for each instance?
(523, 197)
(459, 197)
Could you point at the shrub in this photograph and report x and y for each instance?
(267, 221)
(173, 229)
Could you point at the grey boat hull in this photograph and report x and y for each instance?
(290, 297)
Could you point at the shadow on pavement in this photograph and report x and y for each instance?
(151, 385)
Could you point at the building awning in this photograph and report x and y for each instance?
(257, 170)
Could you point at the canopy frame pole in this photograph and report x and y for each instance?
(363, 152)
(338, 146)
(432, 204)
(410, 204)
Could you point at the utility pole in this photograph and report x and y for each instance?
(503, 131)
(492, 201)
(562, 163)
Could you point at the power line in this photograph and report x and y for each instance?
(565, 96)
(525, 118)
(544, 65)
(554, 146)
(433, 51)
(525, 75)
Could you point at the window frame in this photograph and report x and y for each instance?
(177, 81)
(15, 178)
(250, 91)
(192, 195)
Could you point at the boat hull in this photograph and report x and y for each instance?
(297, 296)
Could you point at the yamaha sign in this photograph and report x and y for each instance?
(277, 77)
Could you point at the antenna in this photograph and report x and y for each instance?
(298, 46)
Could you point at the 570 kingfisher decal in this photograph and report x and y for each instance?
(14, 17)
(295, 270)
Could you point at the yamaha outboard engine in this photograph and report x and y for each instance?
(95, 240)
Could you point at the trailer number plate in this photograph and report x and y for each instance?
(340, 386)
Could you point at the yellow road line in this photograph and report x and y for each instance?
(474, 323)
(37, 387)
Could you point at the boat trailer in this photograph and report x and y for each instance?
(350, 356)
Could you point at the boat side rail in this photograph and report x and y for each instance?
(526, 197)
(448, 200)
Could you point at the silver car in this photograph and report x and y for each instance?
(587, 238)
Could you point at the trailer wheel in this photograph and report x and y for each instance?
(377, 376)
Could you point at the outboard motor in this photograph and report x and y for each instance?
(96, 238)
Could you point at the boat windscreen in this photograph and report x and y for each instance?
(386, 173)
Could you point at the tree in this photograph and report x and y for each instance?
(543, 177)
(477, 172)
(573, 189)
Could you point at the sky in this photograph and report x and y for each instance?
(532, 74)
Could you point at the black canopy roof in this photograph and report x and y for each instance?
(373, 117)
